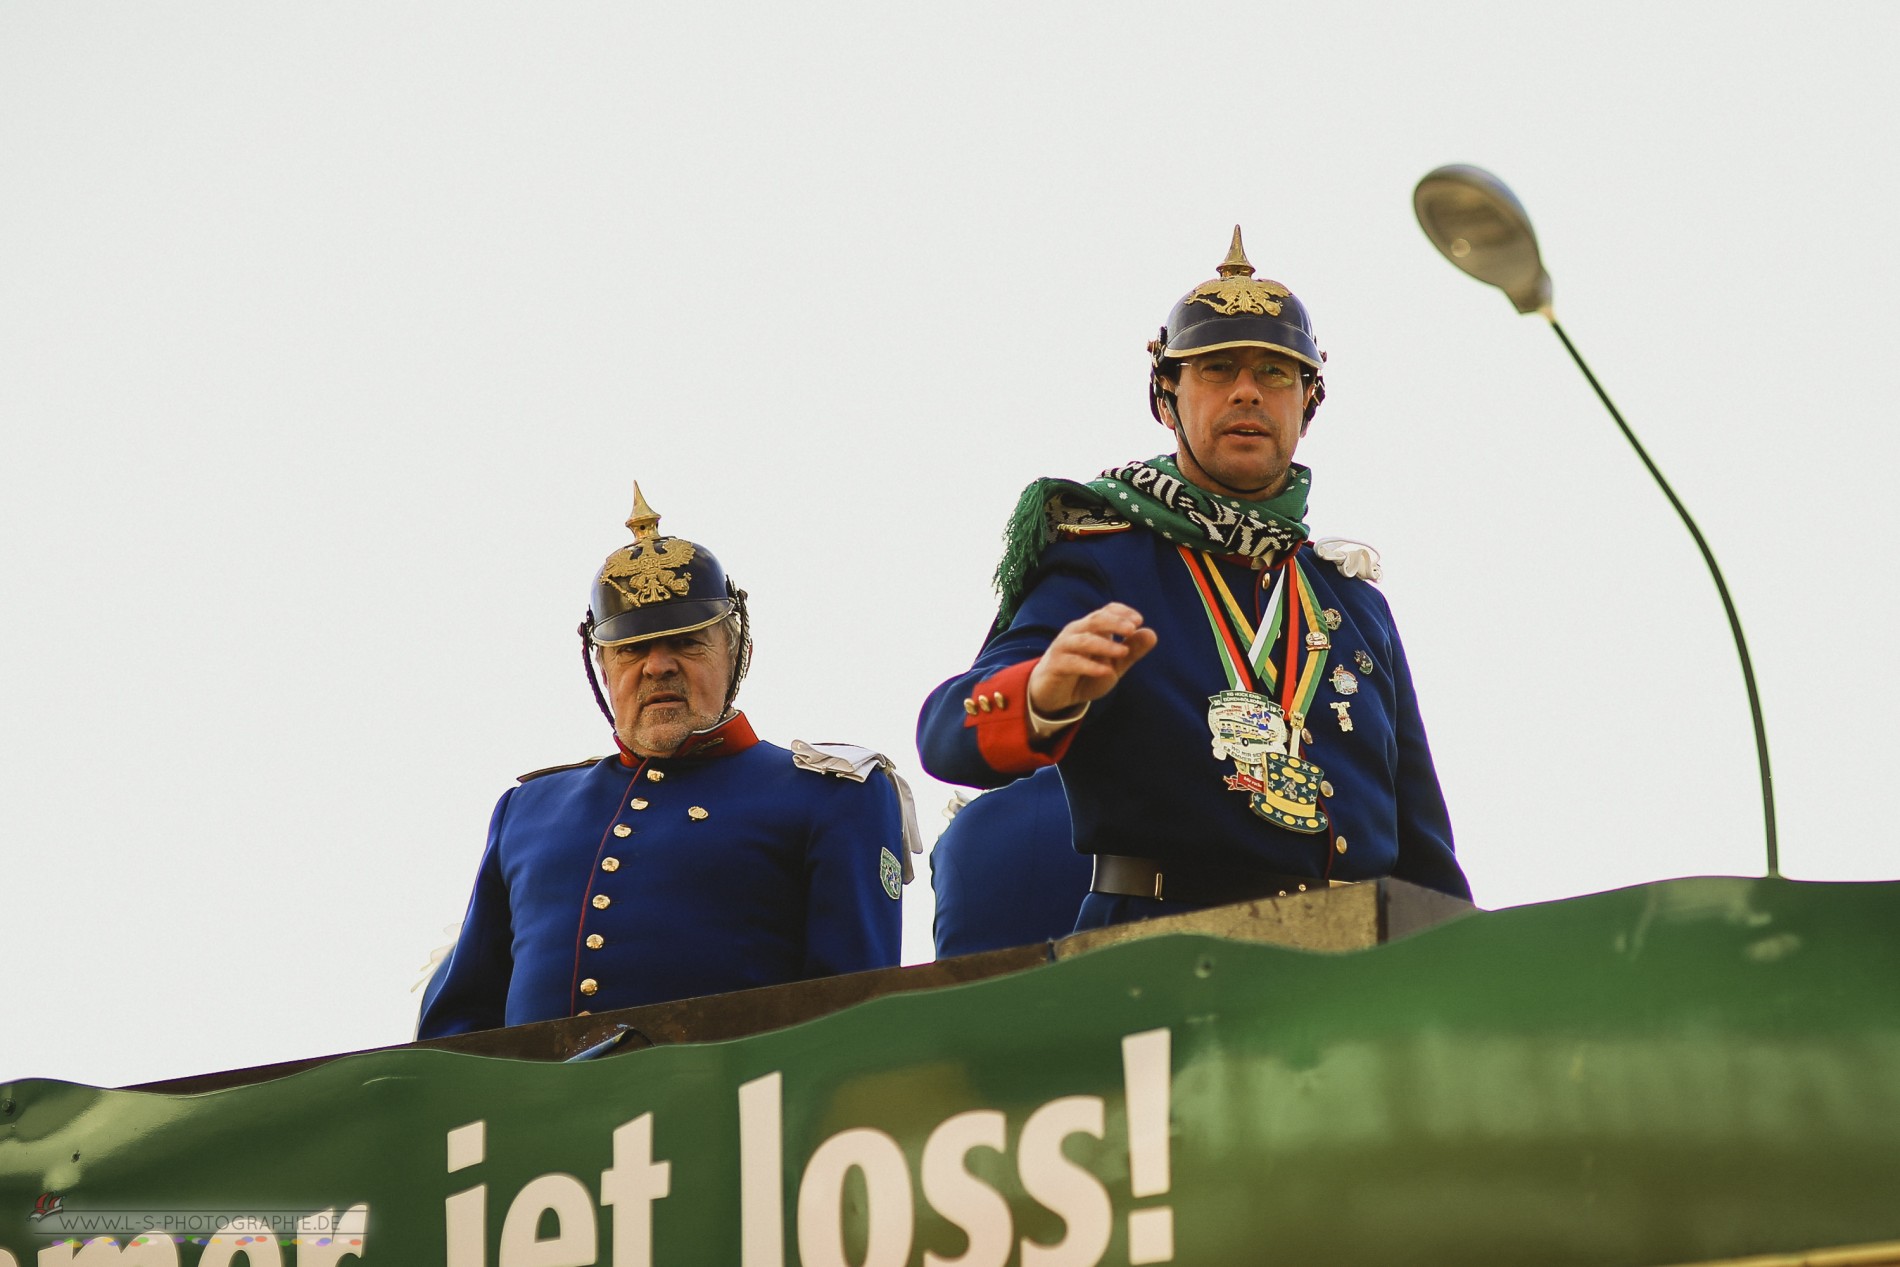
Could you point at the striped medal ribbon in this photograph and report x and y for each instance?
(1259, 734)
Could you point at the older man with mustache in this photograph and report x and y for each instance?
(1227, 701)
(695, 860)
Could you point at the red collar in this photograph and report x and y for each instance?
(731, 735)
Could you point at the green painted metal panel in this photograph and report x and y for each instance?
(1684, 1071)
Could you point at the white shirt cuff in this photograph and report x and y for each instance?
(1049, 727)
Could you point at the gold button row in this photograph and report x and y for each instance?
(985, 703)
(698, 813)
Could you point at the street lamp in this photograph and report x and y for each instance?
(1478, 224)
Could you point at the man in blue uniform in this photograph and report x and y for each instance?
(1228, 703)
(1005, 870)
(698, 859)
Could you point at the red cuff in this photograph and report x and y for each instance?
(998, 707)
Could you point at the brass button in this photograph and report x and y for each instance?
(602, 901)
(1302, 888)
(654, 776)
(969, 706)
(998, 697)
(595, 941)
(1306, 736)
(623, 831)
(1282, 892)
(638, 802)
(1339, 845)
(983, 702)
(1325, 787)
(590, 986)
(697, 814)
(610, 864)
(583, 1012)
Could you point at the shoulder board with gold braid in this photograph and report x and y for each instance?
(556, 769)
(1073, 518)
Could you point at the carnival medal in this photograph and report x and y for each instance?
(1249, 727)
(1291, 795)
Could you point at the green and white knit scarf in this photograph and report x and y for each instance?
(1154, 496)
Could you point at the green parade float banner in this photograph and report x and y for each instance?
(1686, 1071)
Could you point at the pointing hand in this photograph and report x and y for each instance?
(1088, 658)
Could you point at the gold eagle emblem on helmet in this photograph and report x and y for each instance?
(650, 573)
(1237, 290)
(1233, 295)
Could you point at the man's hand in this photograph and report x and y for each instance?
(1088, 658)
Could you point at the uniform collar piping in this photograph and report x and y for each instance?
(733, 735)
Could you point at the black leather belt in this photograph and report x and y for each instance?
(1196, 885)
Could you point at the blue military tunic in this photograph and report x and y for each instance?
(1139, 770)
(1005, 870)
(635, 880)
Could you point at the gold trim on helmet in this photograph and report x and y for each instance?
(663, 633)
(1184, 353)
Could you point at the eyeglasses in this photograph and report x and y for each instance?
(1220, 370)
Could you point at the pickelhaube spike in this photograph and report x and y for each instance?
(645, 523)
(1235, 265)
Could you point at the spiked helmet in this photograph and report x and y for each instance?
(1234, 310)
(660, 586)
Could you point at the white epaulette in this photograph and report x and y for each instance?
(1352, 558)
(959, 797)
(849, 761)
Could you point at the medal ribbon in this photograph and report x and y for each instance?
(1298, 700)
(1293, 594)
(1229, 647)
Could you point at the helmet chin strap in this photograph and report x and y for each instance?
(1180, 435)
(741, 660)
(587, 662)
(741, 654)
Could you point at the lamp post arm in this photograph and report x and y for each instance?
(1721, 587)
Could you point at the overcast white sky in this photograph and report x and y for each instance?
(331, 338)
